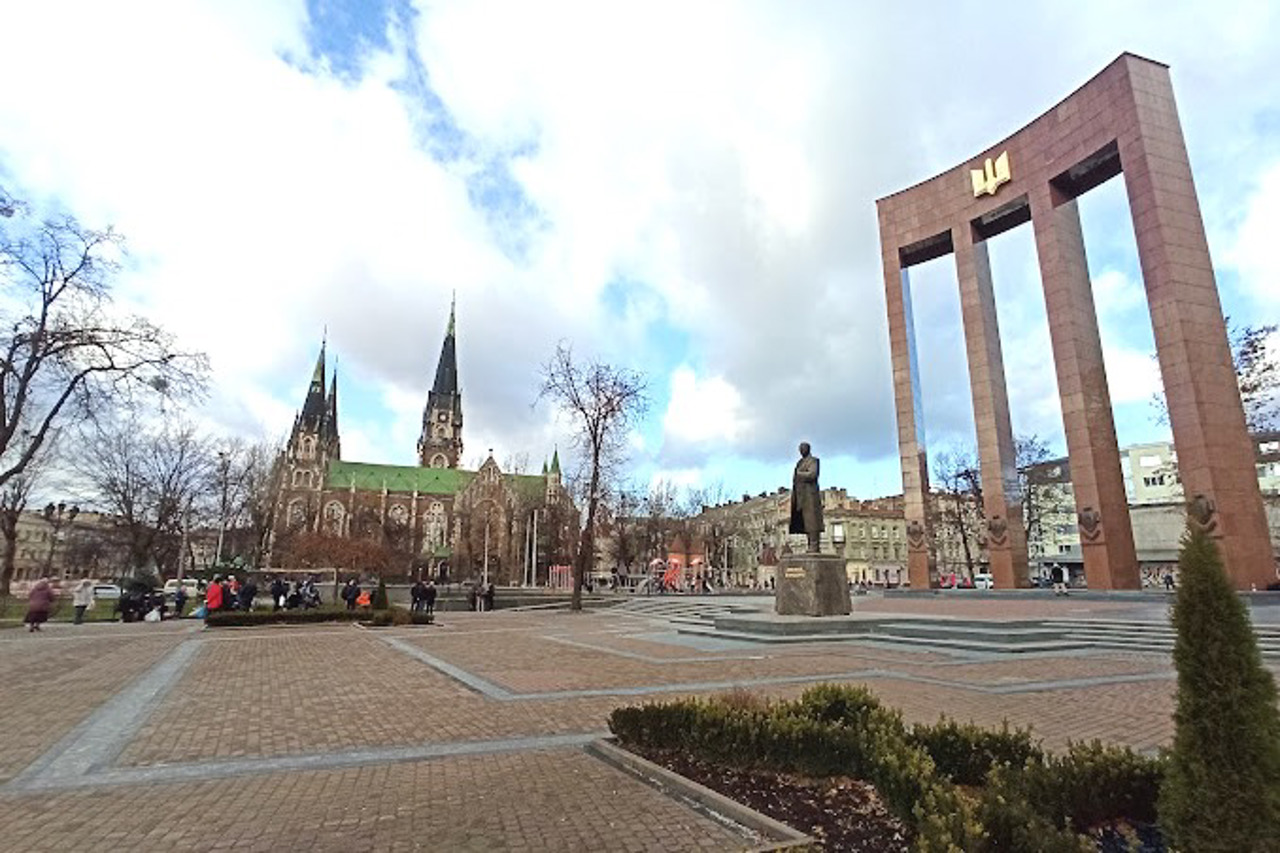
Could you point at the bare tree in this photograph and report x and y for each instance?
(1253, 354)
(63, 351)
(602, 402)
(14, 495)
(958, 504)
(151, 479)
(242, 490)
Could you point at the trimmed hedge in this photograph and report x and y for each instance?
(1028, 801)
(397, 616)
(247, 618)
(965, 753)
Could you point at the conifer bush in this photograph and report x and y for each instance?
(380, 596)
(1221, 790)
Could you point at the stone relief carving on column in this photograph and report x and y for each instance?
(1090, 521)
(997, 531)
(1203, 513)
(915, 535)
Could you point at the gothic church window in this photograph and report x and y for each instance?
(297, 515)
(439, 461)
(333, 516)
(308, 447)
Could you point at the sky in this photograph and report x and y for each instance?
(683, 189)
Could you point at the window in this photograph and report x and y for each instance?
(1149, 461)
(1154, 480)
(439, 461)
(1269, 447)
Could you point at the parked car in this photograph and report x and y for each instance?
(191, 585)
(982, 580)
(106, 591)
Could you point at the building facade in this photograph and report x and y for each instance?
(435, 518)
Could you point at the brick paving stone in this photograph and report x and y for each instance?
(304, 691)
(541, 800)
(54, 680)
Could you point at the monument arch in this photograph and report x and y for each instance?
(1123, 121)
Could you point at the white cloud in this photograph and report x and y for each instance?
(706, 411)
(1253, 252)
(726, 156)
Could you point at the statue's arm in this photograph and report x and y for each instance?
(807, 471)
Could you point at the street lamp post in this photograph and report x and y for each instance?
(57, 515)
(223, 474)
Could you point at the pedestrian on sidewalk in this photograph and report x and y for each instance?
(488, 596)
(1059, 585)
(350, 593)
(417, 594)
(429, 597)
(82, 599)
(179, 602)
(39, 603)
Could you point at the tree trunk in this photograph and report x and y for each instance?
(9, 528)
(587, 546)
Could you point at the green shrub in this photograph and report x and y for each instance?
(1222, 787)
(1095, 783)
(965, 753)
(246, 618)
(380, 596)
(1013, 822)
(849, 704)
(397, 616)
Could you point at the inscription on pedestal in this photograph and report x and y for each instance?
(813, 585)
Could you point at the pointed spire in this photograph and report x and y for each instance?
(447, 369)
(313, 409)
(555, 462)
(333, 400)
(544, 467)
(453, 304)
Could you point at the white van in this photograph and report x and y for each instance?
(982, 580)
(191, 585)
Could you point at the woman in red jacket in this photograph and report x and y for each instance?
(213, 595)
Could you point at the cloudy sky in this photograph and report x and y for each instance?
(686, 189)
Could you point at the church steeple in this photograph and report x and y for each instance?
(314, 407)
(440, 445)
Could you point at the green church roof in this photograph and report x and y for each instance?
(397, 478)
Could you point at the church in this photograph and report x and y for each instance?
(437, 519)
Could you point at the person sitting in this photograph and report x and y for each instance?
(364, 600)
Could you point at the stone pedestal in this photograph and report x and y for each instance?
(812, 585)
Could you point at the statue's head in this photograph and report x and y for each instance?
(804, 448)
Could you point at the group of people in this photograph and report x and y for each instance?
(423, 597)
(480, 597)
(298, 595)
(228, 593)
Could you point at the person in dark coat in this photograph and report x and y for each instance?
(488, 596)
(417, 593)
(179, 602)
(473, 599)
(248, 592)
(350, 593)
(278, 593)
(429, 597)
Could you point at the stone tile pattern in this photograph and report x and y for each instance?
(533, 801)
(53, 681)
(1130, 105)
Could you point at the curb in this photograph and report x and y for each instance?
(778, 835)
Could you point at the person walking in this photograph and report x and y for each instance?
(417, 594)
(278, 591)
(1059, 585)
(429, 597)
(488, 596)
(473, 599)
(179, 602)
(39, 603)
(82, 598)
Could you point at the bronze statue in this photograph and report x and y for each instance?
(806, 500)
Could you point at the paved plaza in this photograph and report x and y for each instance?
(469, 735)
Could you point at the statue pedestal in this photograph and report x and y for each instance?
(812, 585)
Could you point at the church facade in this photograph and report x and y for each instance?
(437, 519)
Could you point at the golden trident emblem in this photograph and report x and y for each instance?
(991, 176)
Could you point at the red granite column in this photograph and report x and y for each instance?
(1106, 537)
(1215, 454)
(1001, 495)
(921, 566)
